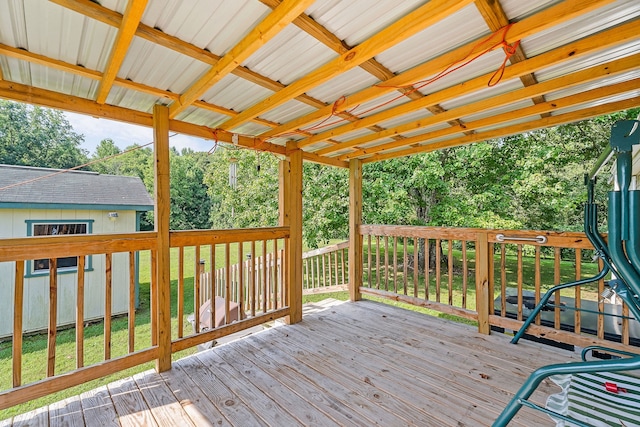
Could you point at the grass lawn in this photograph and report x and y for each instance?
(34, 346)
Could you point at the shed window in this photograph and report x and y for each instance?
(55, 229)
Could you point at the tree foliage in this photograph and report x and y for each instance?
(35, 136)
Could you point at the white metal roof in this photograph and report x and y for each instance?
(342, 78)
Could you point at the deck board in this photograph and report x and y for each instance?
(351, 364)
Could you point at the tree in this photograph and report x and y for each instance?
(190, 203)
(253, 201)
(35, 136)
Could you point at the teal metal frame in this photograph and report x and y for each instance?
(623, 259)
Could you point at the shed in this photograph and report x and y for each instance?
(40, 201)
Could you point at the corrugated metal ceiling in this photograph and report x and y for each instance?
(300, 75)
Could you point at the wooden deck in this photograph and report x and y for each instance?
(350, 364)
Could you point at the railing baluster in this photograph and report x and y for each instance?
(405, 259)
(335, 268)
(108, 303)
(18, 307)
(438, 265)
(264, 276)
(577, 317)
(426, 269)
(519, 282)
(53, 317)
(80, 314)
(465, 272)
(181, 294)
(241, 305)
(377, 263)
(415, 267)
(369, 258)
(386, 263)
(343, 266)
(450, 270)
(196, 287)
(503, 280)
(131, 324)
(395, 264)
(153, 298)
(537, 281)
(212, 285)
(556, 281)
(252, 278)
(227, 282)
(625, 323)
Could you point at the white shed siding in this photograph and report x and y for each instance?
(36, 289)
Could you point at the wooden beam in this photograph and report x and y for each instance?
(46, 98)
(161, 213)
(537, 109)
(355, 237)
(294, 253)
(545, 122)
(580, 77)
(545, 19)
(132, 15)
(109, 17)
(484, 301)
(495, 17)
(581, 47)
(275, 22)
(402, 29)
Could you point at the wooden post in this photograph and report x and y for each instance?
(291, 214)
(484, 301)
(355, 220)
(161, 215)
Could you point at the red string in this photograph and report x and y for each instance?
(510, 50)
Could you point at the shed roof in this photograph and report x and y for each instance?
(340, 79)
(30, 187)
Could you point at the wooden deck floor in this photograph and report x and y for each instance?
(350, 364)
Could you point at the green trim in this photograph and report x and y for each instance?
(68, 206)
(30, 222)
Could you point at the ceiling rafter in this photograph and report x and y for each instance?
(496, 18)
(578, 48)
(544, 122)
(547, 18)
(522, 113)
(275, 22)
(583, 76)
(130, 21)
(405, 27)
(107, 16)
(125, 83)
(372, 66)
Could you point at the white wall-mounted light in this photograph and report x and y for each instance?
(113, 216)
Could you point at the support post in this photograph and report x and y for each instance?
(291, 214)
(483, 299)
(355, 220)
(161, 216)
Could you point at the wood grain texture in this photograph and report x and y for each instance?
(359, 364)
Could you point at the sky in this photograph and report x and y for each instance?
(124, 135)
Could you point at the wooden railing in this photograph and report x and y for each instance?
(325, 269)
(520, 267)
(116, 259)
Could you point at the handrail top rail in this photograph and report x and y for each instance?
(208, 237)
(326, 249)
(36, 247)
(565, 239)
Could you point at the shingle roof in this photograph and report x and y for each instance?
(47, 187)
